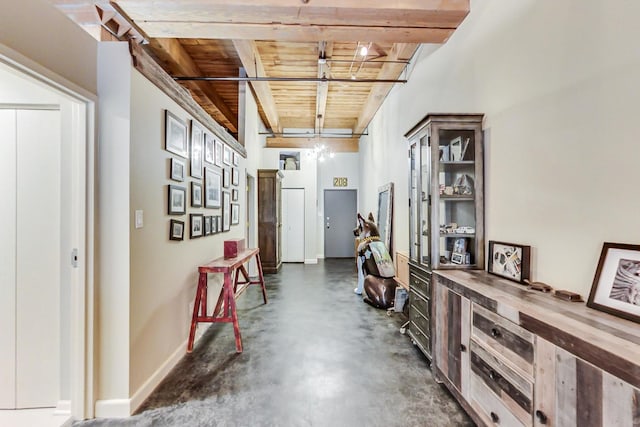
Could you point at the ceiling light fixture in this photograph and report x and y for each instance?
(364, 50)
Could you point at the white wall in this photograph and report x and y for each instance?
(112, 329)
(145, 296)
(36, 30)
(559, 83)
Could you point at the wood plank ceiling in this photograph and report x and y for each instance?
(313, 79)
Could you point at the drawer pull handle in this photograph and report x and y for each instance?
(463, 348)
(495, 332)
(541, 416)
(495, 418)
(493, 375)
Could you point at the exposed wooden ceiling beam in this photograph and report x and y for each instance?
(323, 87)
(370, 13)
(252, 63)
(337, 145)
(295, 33)
(171, 51)
(379, 92)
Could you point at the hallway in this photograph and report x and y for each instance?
(315, 355)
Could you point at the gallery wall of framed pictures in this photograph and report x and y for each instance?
(200, 203)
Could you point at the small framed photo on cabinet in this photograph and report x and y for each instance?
(509, 260)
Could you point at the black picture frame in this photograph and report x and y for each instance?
(196, 226)
(209, 142)
(207, 225)
(509, 261)
(212, 188)
(234, 195)
(234, 157)
(196, 195)
(218, 153)
(197, 142)
(226, 211)
(176, 200)
(616, 284)
(226, 156)
(176, 169)
(225, 178)
(176, 230)
(235, 176)
(175, 135)
(235, 214)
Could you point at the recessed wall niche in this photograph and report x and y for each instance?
(289, 160)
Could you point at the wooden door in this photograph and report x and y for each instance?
(452, 329)
(571, 392)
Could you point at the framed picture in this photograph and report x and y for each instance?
(226, 211)
(235, 214)
(225, 178)
(235, 156)
(177, 169)
(197, 225)
(196, 195)
(455, 147)
(234, 195)
(177, 199)
(616, 285)
(175, 134)
(218, 223)
(226, 157)
(235, 176)
(207, 225)
(212, 188)
(509, 260)
(208, 148)
(197, 139)
(218, 153)
(176, 230)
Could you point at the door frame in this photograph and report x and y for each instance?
(82, 211)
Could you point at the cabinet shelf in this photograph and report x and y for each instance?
(456, 235)
(444, 198)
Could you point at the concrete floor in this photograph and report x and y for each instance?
(315, 355)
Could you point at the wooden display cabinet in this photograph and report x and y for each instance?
(446, 197)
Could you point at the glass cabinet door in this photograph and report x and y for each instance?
(414, 234)
(425, 202)
(455, 178)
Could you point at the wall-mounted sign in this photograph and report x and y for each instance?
(340, 181)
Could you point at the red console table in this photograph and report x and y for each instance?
(232, 268)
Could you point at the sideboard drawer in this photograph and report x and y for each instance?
(511, 388)
(420, 284)
(505, 337)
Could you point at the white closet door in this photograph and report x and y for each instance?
(292, 225)
(38, 223)
(8, 259)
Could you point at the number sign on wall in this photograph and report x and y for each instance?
(339, 181)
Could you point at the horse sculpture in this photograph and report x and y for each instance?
(375, 267)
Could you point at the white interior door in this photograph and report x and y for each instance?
(35, 251)
(292, 225)
(8, 259)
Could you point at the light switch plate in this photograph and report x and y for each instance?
(139, 219)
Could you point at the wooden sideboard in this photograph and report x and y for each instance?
(515, 357)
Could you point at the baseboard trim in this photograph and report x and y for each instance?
(147, 388)
(63, 408)
(123, 408)
(113, 408)
(321, 256)
(311, 261)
